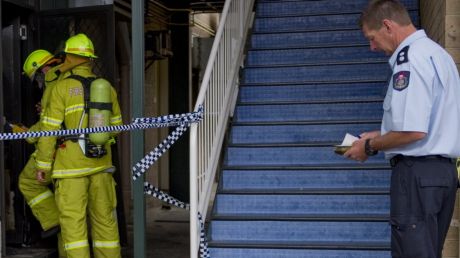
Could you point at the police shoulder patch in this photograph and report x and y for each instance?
(401, 80)
(403, 56)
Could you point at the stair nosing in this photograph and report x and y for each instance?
(314, 64)
(312, 191)
(409, 9)
(304, 245)
(283, 144)
(318, 14)
(304, 46)
(312, 82)
(243, 84)
(313, 122)
(315, 217)
(255, 32)
(319, 101)
(339, 168)
(312, 167)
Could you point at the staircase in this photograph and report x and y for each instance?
(309, 78)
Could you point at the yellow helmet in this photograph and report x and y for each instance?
(35, 61)
(80, 45)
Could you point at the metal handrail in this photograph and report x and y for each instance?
(217, 94)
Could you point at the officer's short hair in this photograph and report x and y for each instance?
(378, 10)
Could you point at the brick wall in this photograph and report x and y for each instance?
(441, 21)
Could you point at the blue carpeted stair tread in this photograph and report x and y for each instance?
(279, 134)
(282, 8)
(302, 217)
(287, 40)
(311, 56)
(358, 100)
(321, 73)
(307, 122)
(330, 205)
(290, 156)
(320, 180)
(267, 252)
(344, 245)
(325, 217)
(308, 191)
(300, 231)
(308, 112)
(308, 23)
(312, 93)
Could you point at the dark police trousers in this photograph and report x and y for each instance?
(423, 191)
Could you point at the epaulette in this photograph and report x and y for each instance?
(403, 56)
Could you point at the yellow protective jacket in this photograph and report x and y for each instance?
(51, 78)
(66, 106)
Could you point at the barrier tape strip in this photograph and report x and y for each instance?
(145, 163)
(137, 124)
(157, 193)
(204, 250)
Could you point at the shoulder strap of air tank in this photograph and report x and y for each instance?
(86, 82)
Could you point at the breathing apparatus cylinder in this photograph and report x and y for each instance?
(100, 109)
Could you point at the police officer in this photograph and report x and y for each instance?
(84, 183)
(43, 69)
(419, 132)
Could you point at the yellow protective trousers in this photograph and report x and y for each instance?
(40, 199)
(93, 196)
(38, 195)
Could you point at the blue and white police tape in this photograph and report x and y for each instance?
(180, 118)
(141, 167)
(157, 193)
(137, 124)
(204, 250)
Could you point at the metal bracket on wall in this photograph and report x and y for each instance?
(23, 32)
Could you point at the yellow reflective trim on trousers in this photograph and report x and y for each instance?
(60, 173)
(106, 244)
(74, 108)
(39, 198)
(115, 120)
(51, 121)
(43, 164)
(76, 245)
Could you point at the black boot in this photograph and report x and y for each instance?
(51, 232)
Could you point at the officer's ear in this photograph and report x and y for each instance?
(387, 25)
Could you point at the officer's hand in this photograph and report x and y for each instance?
(41, 176)
(369, 135)
(356, 152)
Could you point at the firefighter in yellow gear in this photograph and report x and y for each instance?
(83, 185)
(43, 69)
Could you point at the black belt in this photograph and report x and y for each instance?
(399, 157)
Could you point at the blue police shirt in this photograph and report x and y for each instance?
(423, 96)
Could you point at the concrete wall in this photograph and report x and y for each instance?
(441, 21)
